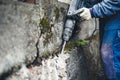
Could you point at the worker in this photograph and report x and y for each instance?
(108, 11)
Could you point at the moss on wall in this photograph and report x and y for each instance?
(51, 53)
(47, 54)
(81, 42)
(45, 25)
(76, 43)
(69, 45)
(56, 12)
(47, 38)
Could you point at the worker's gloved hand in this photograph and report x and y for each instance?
(84, 13)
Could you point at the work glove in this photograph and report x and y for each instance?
(84, 13)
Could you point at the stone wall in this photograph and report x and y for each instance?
(34, 31)
(89, 32)
(28, 31)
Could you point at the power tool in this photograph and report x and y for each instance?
(70, 21)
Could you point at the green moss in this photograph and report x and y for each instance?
(45, 22)
(81, 42)
(72, 44)
(49, 35)
(45, 25)
(46, 54)
(56, 12)
(69, 46)
(47, 38)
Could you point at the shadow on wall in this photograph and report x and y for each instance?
(5, 75)
(76, 66)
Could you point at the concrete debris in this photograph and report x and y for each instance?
(51, 69)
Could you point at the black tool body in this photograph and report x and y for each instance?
(71, 18)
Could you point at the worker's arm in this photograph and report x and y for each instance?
(105, 8)
(102, 9)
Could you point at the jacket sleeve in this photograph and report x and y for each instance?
(105, 8)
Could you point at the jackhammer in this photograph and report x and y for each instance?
(70, 21)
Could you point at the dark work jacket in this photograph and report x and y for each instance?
(109, 10)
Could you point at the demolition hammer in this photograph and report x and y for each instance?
(70, 21)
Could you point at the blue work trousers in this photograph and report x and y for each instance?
(110, 52)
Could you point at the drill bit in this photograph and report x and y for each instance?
(63, 47)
